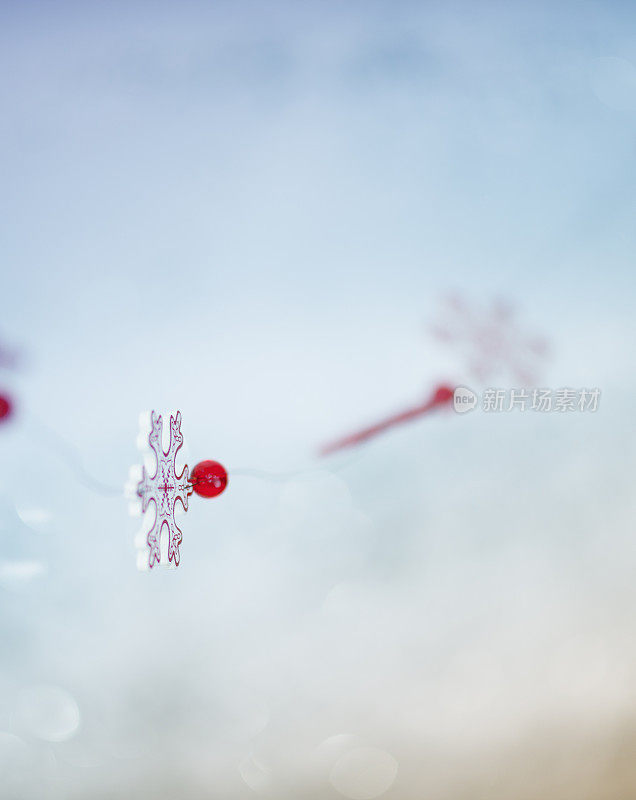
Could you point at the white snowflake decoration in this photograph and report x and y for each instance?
(164, 489)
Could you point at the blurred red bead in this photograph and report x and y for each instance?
(443, 394)
(208, 478)
(6, 407)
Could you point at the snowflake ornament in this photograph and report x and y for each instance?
(490, 342)
(8, 360)
(164, 488)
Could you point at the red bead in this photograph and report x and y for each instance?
(443, 395)
(6, 407)
(208, 478)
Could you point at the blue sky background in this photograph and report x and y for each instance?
(251, 211)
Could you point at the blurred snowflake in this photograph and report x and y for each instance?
(9, 359)
(490, 342)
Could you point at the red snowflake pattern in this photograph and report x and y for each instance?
(490, 342)
(165, 488)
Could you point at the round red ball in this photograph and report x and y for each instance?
(208, 478)
(443, 395)
(6, 407)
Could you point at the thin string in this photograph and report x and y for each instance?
(277, 477)
(68, 453)
(261, 474)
